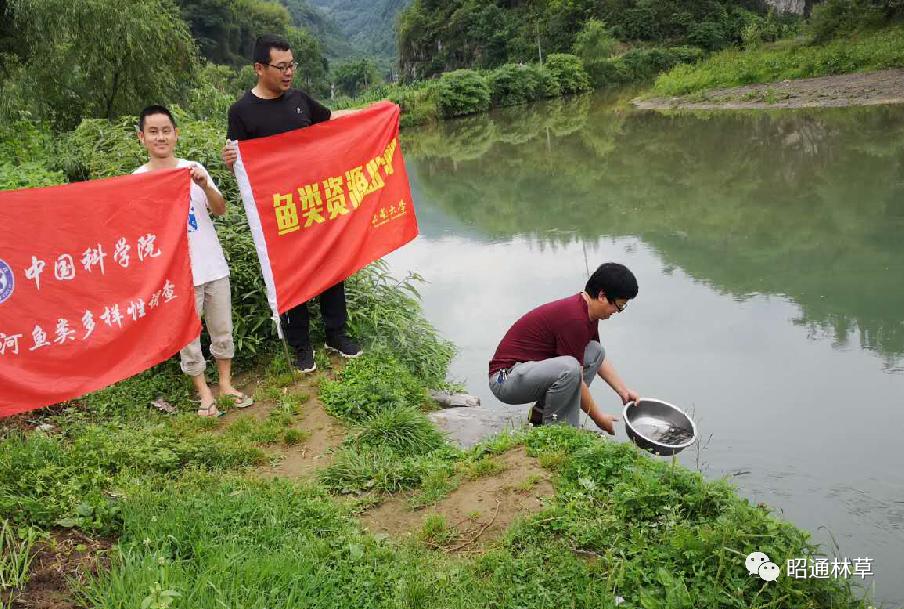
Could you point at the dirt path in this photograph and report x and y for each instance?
(874, 88)
(475, 513)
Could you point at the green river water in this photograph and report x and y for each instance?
(769, 249)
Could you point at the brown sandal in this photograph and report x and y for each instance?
(210, 411)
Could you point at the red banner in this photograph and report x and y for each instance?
(95, 285)
(325, 201)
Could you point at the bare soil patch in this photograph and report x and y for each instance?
(316, 452)
(477, 512)
(862, 89)
(323, 433)
(68, 554)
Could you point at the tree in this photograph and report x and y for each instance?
(594, 42)
(312, 65)
(101, 58)
(356, 76)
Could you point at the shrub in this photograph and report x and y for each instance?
(835, 18)
(709, 35)
(29, 175)
(547, 85)
(568, 72)
(642, 64)
(418, 104)
(462, 92)
(511, 85)
(594, 42)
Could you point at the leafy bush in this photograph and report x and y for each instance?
(29, 175)
(462, 92)
(708, 35)
(760, 30)
(595, 41)
(27, 155)
(594, 44)
(568, 72)
(640, 65)
(547, 86)
(511, 85)
(834, 18)
(418, 104)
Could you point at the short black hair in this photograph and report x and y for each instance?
(263, 45)
(154, 109)
(613, 279)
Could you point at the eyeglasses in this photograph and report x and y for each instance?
(285, 67)
(618, 307)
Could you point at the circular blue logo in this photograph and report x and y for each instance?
(7, 282)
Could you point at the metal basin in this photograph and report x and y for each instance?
(659, 427)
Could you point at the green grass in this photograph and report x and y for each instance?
(194, 531)
(861, 52)
(16, 554)
(621, 524)
(403, 430)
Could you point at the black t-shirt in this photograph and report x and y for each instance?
(252, 117)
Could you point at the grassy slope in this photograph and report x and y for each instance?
(862, 52)
(198, 527)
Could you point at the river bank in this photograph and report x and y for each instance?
(874, 88)
(324, 494)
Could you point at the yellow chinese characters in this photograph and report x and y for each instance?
(338, 192)
(286, 214)
(311, 204)
(335, 197)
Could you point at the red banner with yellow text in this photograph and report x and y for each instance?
(325, 201)
(95, 285)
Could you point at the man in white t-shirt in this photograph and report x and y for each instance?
(157, 132)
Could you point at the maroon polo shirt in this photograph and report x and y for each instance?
(561, 327)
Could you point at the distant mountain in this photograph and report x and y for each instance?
(336, 44)
(367, 24)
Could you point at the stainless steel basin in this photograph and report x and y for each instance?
(659, 427)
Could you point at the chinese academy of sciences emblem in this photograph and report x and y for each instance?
(7, 282)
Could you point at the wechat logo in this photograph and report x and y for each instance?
(759, 564)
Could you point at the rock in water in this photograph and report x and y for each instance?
(455, 400)
(469, 426)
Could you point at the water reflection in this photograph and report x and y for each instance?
(807, 205)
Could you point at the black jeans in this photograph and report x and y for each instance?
(296, 321)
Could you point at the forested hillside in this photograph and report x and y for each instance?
(336, 44)
(441, 35)
(367, 24)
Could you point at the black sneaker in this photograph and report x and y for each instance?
(344, 346)
(304, 361)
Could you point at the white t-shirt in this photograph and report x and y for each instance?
(207, 260)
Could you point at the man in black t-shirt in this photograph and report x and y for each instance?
(270, 108)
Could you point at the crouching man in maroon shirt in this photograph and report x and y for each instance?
(552, 353)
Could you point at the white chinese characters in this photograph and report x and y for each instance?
(92, 259)
(114, 318)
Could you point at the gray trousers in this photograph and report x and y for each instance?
(213, 301)
(554, 384)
